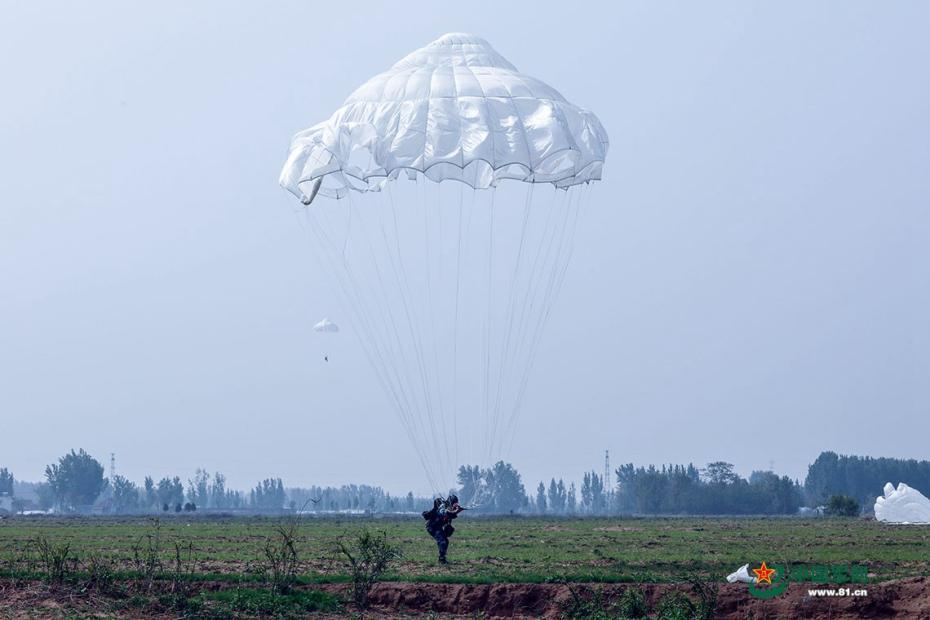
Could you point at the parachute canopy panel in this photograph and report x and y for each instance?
(453, 110)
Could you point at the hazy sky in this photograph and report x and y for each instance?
(750, 281)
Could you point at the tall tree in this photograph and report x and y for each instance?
(268, 495)
(470, 480)
(6, 481)
(76, 480)
(125, 495)
(198, 488)
(149, 495)
(541, 498)
(557, 496)
(170, 492)
(218, 495)
(586, 492)
(598, 497)
(720, 472)
(505, 488)
(571, 501)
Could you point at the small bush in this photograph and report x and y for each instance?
(676, 606)
(585, 604)
(281, 561)
(146, 554)
(17, 562)
(262, 603)
(591, 604)
(632, 604)
(707, 598)
(842, 506)
(101, 574)
(182, 574)
(368, 557)
(55, 559)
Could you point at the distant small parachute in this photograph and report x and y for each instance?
(326, 326)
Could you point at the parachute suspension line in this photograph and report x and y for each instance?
(553, 291)
(417, 337)
(428, 207)
(329, 252)
(419, 431)
(419, 421)
(472, 436)
(379, 361)
(455, 333)
(503, 365)
(537, 320)
(487, 342)
(523, 321)
(400, 273)
(409, 412)
(367, 338)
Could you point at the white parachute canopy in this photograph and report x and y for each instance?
(326, 326)
(448, 285)
(455, 109)
(902, 505)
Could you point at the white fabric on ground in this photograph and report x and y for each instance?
(902, 505)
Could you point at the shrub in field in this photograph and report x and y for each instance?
(632, 604)
(101, 573)
(842, 506)
(146, 554)
(706, 591)
(281, 561)
(676, 606)
(262, 603)
(181, 574)
(55, 559)
(368, 556)
(591, 604)
(17, 562)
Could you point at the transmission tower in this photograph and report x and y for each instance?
(112, 467)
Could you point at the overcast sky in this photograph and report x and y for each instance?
(750, 281)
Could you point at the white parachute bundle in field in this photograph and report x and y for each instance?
(741, 575)
(902, 505)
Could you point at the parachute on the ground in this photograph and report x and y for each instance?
(902, 505)
(448, 287)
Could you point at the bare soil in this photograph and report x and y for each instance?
(905, 598)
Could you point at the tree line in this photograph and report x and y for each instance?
(76, 483)
(862, 477)
(669, 489)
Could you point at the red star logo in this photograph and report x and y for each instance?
(764, 574)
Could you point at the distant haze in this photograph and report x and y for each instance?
(750, 281)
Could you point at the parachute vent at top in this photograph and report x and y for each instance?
(453, 110)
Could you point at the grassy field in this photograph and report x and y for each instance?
(493, 550)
